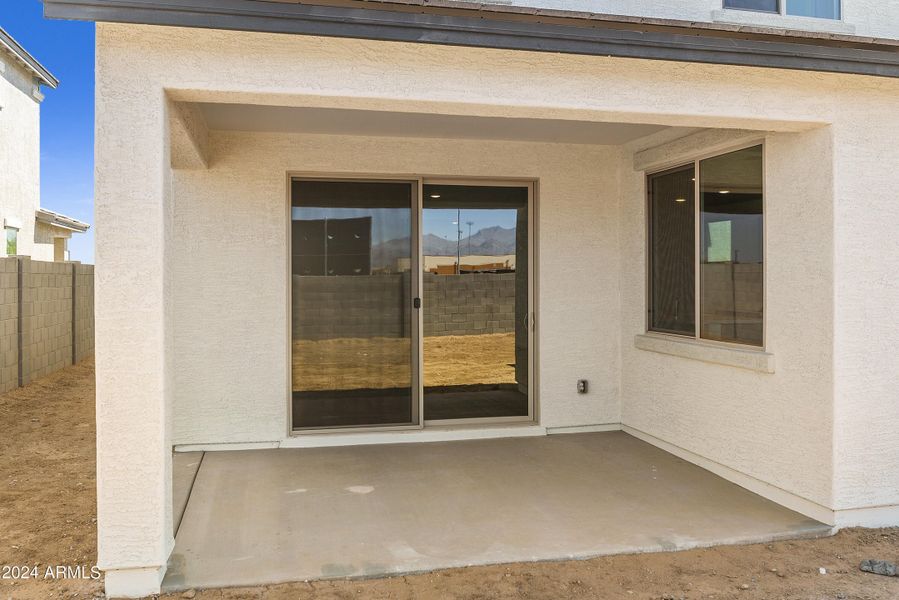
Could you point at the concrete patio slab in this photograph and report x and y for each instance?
(268, 516)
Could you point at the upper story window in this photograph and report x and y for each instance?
(822, 9)
(706, 249)
(759, 5)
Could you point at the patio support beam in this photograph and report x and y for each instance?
(866, 331)
(134, 498)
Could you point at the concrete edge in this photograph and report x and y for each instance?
(811, 533)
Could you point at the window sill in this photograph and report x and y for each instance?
(765, 19)
(752, 360)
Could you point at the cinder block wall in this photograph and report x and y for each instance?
(349, 307)
(84, 312)
(9, 324)
(469, 304)
(377, 305)
(46, 318)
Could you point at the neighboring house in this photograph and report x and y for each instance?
(705, 212)
(28, 229)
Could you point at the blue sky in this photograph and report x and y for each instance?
(66, 48)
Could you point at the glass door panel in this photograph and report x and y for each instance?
(475, 306)
(354, 339)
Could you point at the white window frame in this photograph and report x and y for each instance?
(697, 241)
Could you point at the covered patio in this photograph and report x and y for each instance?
(238, 164)
(268, 516)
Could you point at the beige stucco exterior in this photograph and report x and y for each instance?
(19, 152)
(192, 327)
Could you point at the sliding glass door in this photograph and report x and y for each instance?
(408, 312)
(476, 312)
(354, 334)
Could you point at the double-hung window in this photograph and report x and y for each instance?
(706, 249)
(822, 9)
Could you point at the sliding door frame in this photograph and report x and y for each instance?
(417, 182)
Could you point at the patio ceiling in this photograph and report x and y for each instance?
(248, 117)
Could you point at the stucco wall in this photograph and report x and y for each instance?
(19, 154)
(866, 336)
(772, 427)
(244, 191)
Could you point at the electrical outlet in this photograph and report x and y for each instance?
(581, 386)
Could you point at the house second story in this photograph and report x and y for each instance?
(862, 18)
(28, 229)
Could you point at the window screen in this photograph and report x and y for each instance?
(672, 251)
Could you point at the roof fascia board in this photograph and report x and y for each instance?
(31, 63)
(480, 30)
(62, 221)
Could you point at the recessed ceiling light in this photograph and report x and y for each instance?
(435, 196)
(724, 192)
(680, 199)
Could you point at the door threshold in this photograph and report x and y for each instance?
(430, 434)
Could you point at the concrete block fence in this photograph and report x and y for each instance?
(46, 318)
(377, 305)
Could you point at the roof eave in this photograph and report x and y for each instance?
(29, 62)
(59, 220)
(510, 28)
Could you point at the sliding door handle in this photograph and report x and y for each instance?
(416, 303)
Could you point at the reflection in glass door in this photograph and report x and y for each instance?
(476, 313)
(354, 338)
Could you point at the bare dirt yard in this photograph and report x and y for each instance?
(48, 509)
(379, 362)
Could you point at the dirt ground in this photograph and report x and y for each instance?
(48, 501)
(47, 518)
(351, 363)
